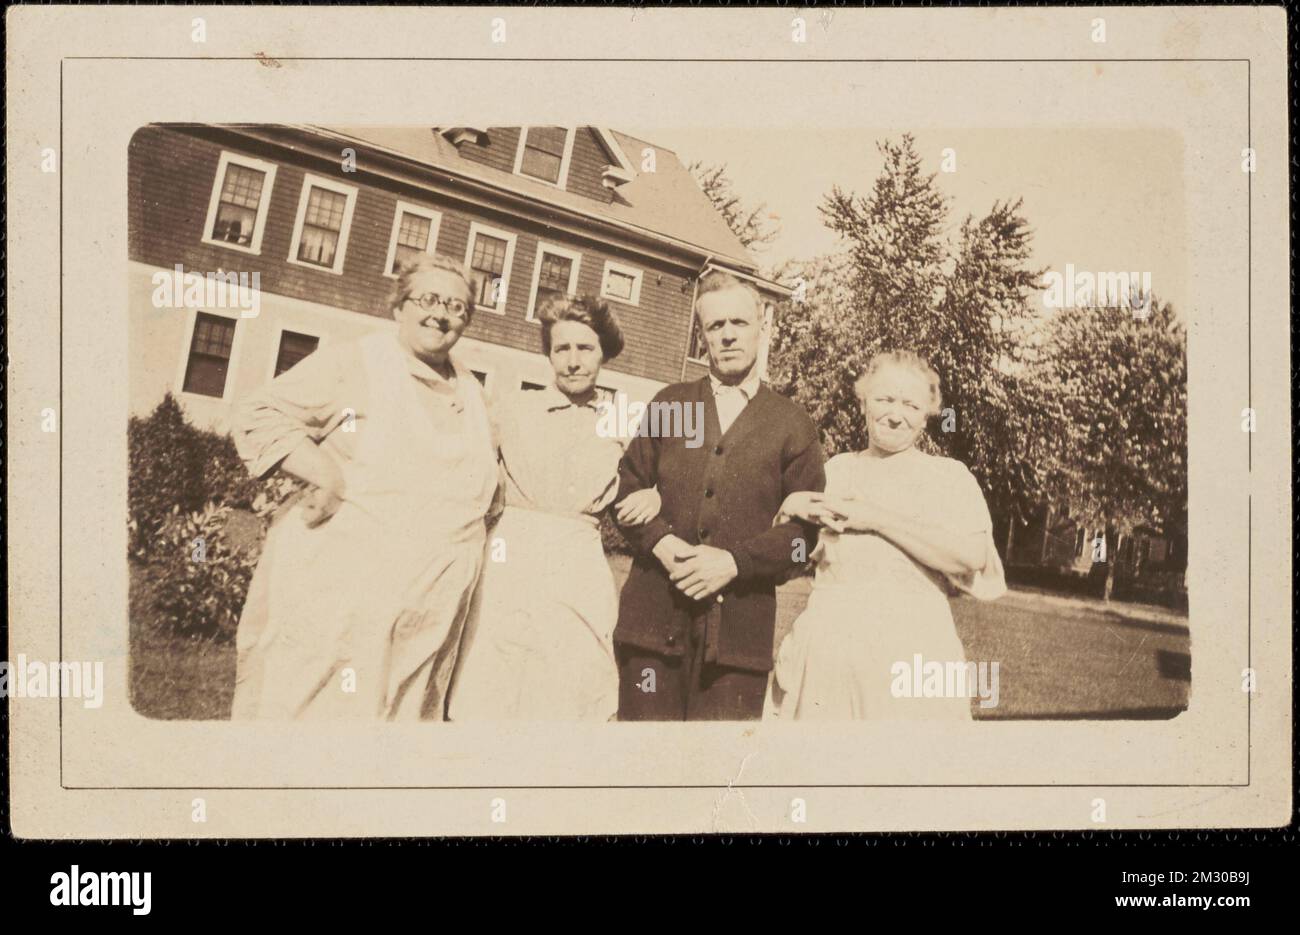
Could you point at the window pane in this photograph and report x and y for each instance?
(540, 165)
(489, 259)
(404, 254)
(234, 224)
(547, 139)
(317, 246)
(544, 152)
(489, 254)
(619, 285)
(555, 272)
(325, 209)
(242, 186)
(552, 279)
(205, 373)
(241, 192)
(293, 348)
(321, 224)
(544, 296)
(414, 232)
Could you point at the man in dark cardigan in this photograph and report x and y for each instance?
(697, 615)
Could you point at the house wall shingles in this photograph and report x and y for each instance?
(499, 151)
(587, 165)
(171, 174)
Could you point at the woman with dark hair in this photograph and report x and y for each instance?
(538, 644)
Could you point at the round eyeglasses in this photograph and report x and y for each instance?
(431, 300)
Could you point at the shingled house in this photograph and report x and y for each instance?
(316, 217)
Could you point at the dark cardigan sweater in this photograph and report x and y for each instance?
(724, 493)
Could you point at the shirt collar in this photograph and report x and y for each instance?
(420, 370)
(554, 398)
(748, 387)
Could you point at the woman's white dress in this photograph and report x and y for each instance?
(360, 616)
(539, 641)
(875, 614)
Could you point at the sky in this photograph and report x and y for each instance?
(1101, 200)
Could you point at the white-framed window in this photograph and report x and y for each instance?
(320, 230)
(292, 346)
(555, 273)
(241, 194)
(489, 254)
(621, 283)
(544, 154)
(415, 231)
(209, 354)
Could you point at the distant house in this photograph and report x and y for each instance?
(1054, 549)
(322, 214)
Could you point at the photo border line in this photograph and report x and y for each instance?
(1249, 399)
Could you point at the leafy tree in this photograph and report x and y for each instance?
(903, 283)
(755, 227)
(1119, 452)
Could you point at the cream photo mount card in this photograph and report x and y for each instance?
(674, 251)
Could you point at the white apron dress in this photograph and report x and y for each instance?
(539, 641)
(361, 615)
(872, 606)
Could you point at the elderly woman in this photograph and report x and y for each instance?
(358, 601)
(899, 527)
(538, 645)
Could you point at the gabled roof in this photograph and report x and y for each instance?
(667, 202)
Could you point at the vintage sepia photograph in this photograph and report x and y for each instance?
(548, 423)
(518, 422)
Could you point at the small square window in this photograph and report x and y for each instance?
(209, 358)
(621, 283)
(619, 286)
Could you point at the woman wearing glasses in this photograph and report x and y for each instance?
(362, 589)
(538, 644)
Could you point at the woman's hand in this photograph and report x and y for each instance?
(812, 507)
(857, 514)
(309, 462)
(320, 504)
(638, 507)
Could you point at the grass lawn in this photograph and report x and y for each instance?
(1058, 657)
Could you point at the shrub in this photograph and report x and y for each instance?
(200, 579)
(227, 479)
(165, 471)
(187, 484)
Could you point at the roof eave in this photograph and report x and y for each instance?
(693, 249)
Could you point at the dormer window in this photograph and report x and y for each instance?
(544, 154)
